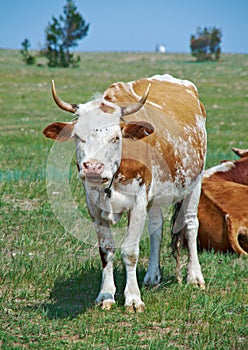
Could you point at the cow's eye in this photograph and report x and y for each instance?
(115, 139)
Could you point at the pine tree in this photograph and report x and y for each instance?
(27, 57)
(62, 34)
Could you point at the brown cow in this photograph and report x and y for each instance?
(222, 212)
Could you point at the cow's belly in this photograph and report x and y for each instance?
(125, 196)
(169, 192)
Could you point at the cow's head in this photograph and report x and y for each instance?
(98, 130)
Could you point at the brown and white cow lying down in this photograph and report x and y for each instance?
(135, 155)
(222, 213)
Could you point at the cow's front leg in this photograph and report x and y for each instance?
(130, 255)
(106, 297)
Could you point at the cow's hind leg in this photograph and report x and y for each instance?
(188, 222)
(153, 275)
(177, 237)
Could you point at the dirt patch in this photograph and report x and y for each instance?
(22, 204)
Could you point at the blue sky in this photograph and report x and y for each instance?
(129, 25)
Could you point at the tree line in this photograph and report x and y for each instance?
(64, 32)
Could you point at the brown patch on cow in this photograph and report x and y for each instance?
(131, 169)
(108, 98)
(135, 165)
(106, 108)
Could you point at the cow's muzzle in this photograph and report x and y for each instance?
(93, 168)
(93, 171)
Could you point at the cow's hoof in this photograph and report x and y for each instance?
(151, 281)
(201, 285)
(198, 283)
(195, 277)
(140, 307)
(107, 304)
(105, 301)
(152, 278)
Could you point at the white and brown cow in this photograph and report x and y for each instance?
(135, 155)
(222, 212)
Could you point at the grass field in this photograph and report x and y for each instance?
(49, 279)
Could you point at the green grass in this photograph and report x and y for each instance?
(49, 279)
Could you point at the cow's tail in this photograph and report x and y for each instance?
(238, 238)
(177, 238)
(243, 240)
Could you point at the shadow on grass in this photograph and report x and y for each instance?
(74, 295)
(77, 294)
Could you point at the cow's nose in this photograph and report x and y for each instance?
(93, 168)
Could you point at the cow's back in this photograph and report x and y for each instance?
(178, 117)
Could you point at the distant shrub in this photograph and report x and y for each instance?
(27, 57)
(205, 45)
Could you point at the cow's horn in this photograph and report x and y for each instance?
(136, 106)
(63, 105)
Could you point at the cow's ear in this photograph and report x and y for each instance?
(242, 153)
(137, 130)
(59, 131)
